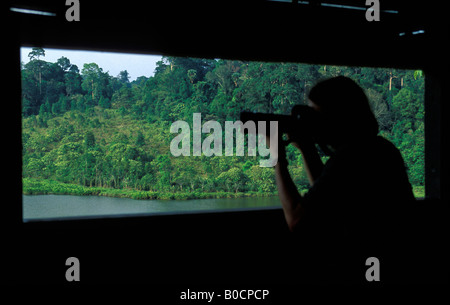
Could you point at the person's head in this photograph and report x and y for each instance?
(344, 110)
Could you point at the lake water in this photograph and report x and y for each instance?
(60, 206)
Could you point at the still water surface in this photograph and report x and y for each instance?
(57, 206)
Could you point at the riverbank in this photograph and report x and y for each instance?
(46, 187)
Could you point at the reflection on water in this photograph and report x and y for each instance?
(55, 206)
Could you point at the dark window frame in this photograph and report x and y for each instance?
(435, 79)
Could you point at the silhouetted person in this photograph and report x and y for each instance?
(356, 198)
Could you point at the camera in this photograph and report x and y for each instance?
(301, 119)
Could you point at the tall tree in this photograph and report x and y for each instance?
(95, 81)
(36, 53)
(124, 77)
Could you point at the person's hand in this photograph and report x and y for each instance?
(301, 141)
(308, 120)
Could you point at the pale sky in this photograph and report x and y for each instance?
(136, 64)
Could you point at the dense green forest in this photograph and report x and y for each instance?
(95, 130)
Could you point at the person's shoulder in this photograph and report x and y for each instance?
(376, 152)
(385, 146)
(387, 156)
(383, 142)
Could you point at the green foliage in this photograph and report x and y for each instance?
(39, 186)
(91, 133)
(263, 179)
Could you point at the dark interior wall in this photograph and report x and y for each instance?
(256, 30)
(230, 248)
(235, 247)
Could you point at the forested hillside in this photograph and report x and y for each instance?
(89, 128)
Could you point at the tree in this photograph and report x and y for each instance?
(407, 105)
(262, 178)
(123, 98)
(140, 140)
(192, 74)
(36, 53)
(37, 63)
(64, 63)
(234, 178)
(125, 142)
(104, 102)
(164, 168)
(380, 109)
(89, 140)
(124, 77)
(95, 81)
(72, 80)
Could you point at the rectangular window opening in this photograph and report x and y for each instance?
(96, 130)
